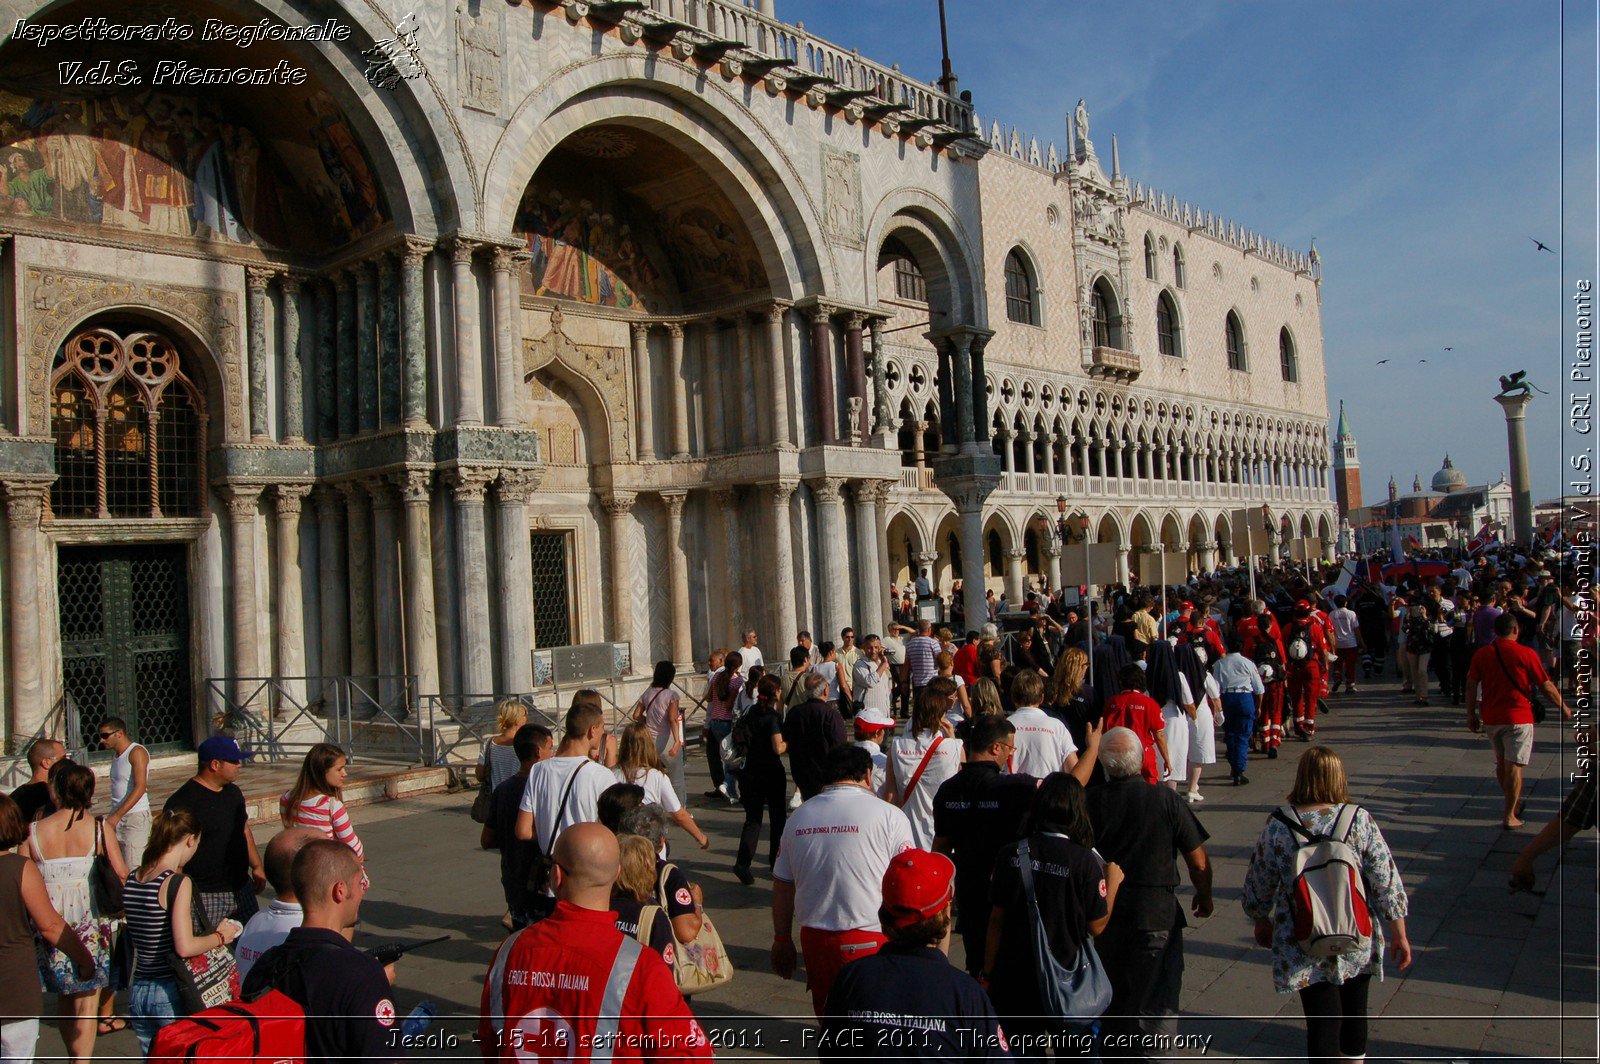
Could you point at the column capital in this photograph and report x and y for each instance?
(462, 250)
(501, 258)
(819, 312)
(384, 494)
(854, 320)
(343, 278)
(288, 499)
(354, 492)
(774, 313)
(25, 501)
(675, 329)
(675, 501)
(1016, 553)
(517, 485)
(329, 500)
(258, 277)
(828, 490)
(727, 498)
(416, 485)
(926, 557)
(414, 249)
(241, 500)
(640, 330)
(290, 283)
(469, 484)
(782, 491)
(619, 504)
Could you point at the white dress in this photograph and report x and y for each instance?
(1177, 722)
(1203, 729)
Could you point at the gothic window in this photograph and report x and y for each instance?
(909, 284)
(1177, 265)
(1149, 258)
(1234, 338)
(1167, 325)
(129, 428)
(1022, 303)
(1288, 362)
(1107, 319)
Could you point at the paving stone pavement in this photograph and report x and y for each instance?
(1495, 976)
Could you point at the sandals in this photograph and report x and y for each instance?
(1522, 884)
(112, 1024)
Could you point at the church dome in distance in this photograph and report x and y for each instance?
(1449, 478)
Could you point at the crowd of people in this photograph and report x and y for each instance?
(1030, 788)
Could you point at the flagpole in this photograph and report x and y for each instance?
(947, 77)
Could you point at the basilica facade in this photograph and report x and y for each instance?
(340, 346)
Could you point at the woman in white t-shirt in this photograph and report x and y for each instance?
(639, 764)
(929, 731)
(838, 683)
(661, 711)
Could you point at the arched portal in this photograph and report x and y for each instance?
(906, 545)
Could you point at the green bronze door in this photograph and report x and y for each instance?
(125, 641)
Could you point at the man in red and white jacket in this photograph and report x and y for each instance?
(561, 988)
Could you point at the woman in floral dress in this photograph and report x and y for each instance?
(1333, 990)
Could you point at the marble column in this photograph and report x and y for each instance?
(644, 393)
(507, 343)
(961, 361)
(366, 347)
(732, 565)
(327, 405)
(972, 569)
(422, 646)
(512, 491)
(243, 502)
(781, 563)
(833, 549)
(24, 509)
(1122, 566)
(778, 377)
(1053, 562)
(469, 374)
(287, 501)
(294, 395)
(619, 519)
(856, 371)
(1015, 576)
(980, 393)
(869, 588)
(1028, 436)
(414, 326)
(678, 390)
(472, 574)
(882, 416)
(948, 444)
(885, 597)
(358, 543)
(332, 602)
(345, 359)
(1208, 559)
(1007, 453)
(391, 359)
(1516, 412)
(678, 562)
(917, 446)
(257, 307)
(389, 633)
(714, 389)
(749, 402)
(822, 354)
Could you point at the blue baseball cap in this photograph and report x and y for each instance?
(222, 748)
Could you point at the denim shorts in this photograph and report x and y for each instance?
(152, 1004)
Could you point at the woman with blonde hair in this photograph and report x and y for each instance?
(633, 896)
(1065, 696)
(497, 761)
(961, 709)
(316, 799)
(660, 709)
(639, 764)
(985, 697)
(924, 757)
(1333, 990)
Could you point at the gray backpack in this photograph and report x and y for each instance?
(1328, 892)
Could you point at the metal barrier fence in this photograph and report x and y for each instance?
(281, 717)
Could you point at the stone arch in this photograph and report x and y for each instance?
(1198, 534)
(1223, 535)
(1109, 529)
(1305, 525)
(693, 114)
(947, 545)
(1140, 532)
(1324, 528)
(1171, 532)
(595, 379)
(931, 231)
(907, 538)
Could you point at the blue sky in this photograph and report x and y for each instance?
(1420, 143)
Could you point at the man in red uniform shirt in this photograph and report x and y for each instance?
(1258, 627)
(1501, 677)
(1307, 673)
(572, 983)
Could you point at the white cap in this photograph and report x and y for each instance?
(874, 717)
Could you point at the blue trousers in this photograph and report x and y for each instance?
(1239, 720)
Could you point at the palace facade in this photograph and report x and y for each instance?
(538, 324)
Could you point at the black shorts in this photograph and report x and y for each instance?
(1578, 808)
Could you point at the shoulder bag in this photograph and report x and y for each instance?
(905, 795)
(702, 964)
(539, 867)
(1535, 703)
(105, 886)
(207, 979)
(1081, 993)
(480, 803)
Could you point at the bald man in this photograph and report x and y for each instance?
(272, 925)
(551, 981)
(33, 797)
(344, 991)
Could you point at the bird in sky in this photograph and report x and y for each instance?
(1381, 361)
(1541, 245)
(1449, 349)
(1421, 360)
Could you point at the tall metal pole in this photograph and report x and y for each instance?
(947, 77)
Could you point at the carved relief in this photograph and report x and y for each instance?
(56, 301)
(841, 197)
(606, 368)
(480, 48)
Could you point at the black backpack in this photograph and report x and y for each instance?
(1268, 661)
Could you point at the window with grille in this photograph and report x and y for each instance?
(1234, 337)
(1166, 325)
(129, 428)
(909, 283)
(1102, 318)
(551, 559)
(1021, 304)
(1286, 357)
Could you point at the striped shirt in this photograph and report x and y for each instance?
(326, 814)
(150, 925)
(920, 653)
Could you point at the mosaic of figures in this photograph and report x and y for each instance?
(187, 167)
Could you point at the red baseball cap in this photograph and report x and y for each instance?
(917, 884)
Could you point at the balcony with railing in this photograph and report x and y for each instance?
(718, 30)
(1111, 362)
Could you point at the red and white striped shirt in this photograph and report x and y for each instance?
(326, 814)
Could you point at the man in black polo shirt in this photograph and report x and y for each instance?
(813, 730)
(975, 813)
(226, 869)
(1144, 828)
(343, 990)
(907, 1001)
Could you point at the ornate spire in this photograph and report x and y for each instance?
(1344, 433)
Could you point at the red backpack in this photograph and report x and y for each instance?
(269, 1030)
